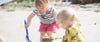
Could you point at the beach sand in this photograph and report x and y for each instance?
(12, 25)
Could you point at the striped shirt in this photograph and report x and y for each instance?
(46, 18)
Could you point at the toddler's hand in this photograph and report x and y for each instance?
(58, 27)
(26, 25)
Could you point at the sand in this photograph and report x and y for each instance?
(12, 25)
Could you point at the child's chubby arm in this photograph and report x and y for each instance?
(54, 15)
(29, 20)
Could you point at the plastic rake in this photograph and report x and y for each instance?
(27, 33)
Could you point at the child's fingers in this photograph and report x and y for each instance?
(26, 25)
(30, 41)
(57, 26)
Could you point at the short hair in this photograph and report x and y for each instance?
(40, 2)
(64, 14)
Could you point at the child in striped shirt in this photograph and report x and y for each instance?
(46, 15)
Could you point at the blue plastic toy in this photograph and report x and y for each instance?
(27, 33)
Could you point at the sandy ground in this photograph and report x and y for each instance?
(12, 26)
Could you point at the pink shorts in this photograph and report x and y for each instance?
(48, 27)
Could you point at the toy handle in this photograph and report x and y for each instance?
(27, 33)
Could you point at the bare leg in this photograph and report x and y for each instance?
(49, 34)
(41, 36)
(1, 40)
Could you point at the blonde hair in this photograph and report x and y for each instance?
(39, 3)
(63, 15)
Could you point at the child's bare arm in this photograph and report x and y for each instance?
(55, 14)
(29, 20)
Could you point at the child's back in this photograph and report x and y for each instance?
(73, 34)
(69, 21)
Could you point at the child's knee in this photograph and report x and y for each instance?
(42, 34)
(49, 33)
